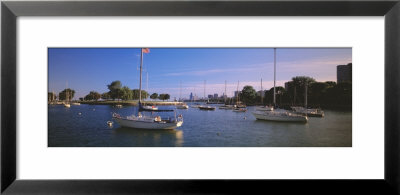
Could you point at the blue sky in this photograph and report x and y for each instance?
(87, 69)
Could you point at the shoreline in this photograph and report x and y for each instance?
(130, 103)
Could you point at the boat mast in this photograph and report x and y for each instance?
(140, 80)
(204, 89)
(225, 93)
(237, 96)
(261, 93)
(180, 91)
(305, 95)
(274, 74)
(66, 92)
(147, 82)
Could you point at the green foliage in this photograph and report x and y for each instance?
(248, 95)
(115, 89)
(93, 95)
(154, 96)
(126, 93)
(135, 94)
(164, 96)
(280, 95)
(63, 94)
(106, 96)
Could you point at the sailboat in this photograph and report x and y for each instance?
(263, 108)
(183, 105)
(140, 121)
(279, 115)
(66, 103)
(226, 107)
(239, 107)
(314, 112)
(148, 107)
(204, 107)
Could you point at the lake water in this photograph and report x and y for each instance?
(219, 128)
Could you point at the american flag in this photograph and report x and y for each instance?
(146, 50)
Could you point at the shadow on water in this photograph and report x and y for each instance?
(150, 137)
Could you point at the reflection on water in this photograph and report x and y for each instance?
(86, 126)
(146, 137)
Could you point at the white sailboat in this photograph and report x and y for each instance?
(66, 103)
(205, 107)
(313, 112)
(147, 122)
(263, 108)
(279, 115)
(239, 107)
(226, 107)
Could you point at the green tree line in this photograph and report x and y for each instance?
(319, 94)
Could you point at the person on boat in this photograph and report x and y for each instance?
(157, 119)
(139, 115)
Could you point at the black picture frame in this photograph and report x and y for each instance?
(11, 10)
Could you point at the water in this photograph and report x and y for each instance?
(219, 128)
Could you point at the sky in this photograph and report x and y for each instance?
(180, 71)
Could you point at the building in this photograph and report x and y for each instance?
(236, 93)
(191, 96)
(215, 95)
(344, 73)
(224, 96)
(210, 96)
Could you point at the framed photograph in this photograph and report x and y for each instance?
(199, 97)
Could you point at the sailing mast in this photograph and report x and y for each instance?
(205, 89)
(140, 80)
(147, 82)
(237, 96)
(225, 93)
(261, 93)
(274, 74)
(180, 91)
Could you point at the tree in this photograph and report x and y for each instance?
(135, 95)
(63, 94)
(126, 93)
(279, 95)
(51, 96)
(115, 89)
(93, 95)
(248, 95)
(299, 84)
(105, 96)
(154, 96)
(164, 96)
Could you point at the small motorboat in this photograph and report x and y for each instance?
(239, 110)
(206, 108)
(183, 106)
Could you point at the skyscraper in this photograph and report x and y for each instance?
(344, 73)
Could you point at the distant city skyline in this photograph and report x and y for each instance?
(92, 69)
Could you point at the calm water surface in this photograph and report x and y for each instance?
(219, 128)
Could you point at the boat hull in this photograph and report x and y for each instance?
(276, 117)
(137, 124)
(207, 108)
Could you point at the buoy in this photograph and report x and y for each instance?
(109, 123)
(244, 118)
(79, 113)
(94, 109)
